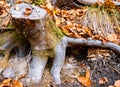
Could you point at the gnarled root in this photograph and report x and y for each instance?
(59, 60)
(60, 52)
(4, 60)
(36, 68)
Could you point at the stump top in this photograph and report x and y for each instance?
(27, 11)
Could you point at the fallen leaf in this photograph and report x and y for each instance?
(16, 83)
(2, 2)
(103, 80)
(6, 81)
(111, 86)
(11, 83)
(85, 80)
(27, 11)
(112, 37)
(117, 83)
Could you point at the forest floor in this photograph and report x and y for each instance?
(104, 67)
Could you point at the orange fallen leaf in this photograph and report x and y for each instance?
(117, 83)
(103, 80)
(85, 80)
(27, 11)
(6, 81)
(11, 83)
(112, 37)
(2, 2)
(16, 83)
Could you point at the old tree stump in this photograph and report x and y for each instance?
(34, 24)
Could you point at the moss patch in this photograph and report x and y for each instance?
(102, 20)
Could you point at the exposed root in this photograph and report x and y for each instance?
(94, 43)
(36, 68)
(60, 52)
(59, 60)
(4, 61)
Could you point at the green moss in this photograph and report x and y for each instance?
(39, 2)
(4, 37)
(52, 38)
(54, 33)
(10, 25)
(49, 53)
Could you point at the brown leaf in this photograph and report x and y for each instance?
(117, 83)
(27, 11)
(6, 83)
(2, 2)
(103, 80)
(112, 37)
(11, 83)
(16, 83)
(85, 80)
(3, 14)
(111, 86)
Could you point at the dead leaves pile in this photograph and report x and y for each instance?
(11, 83)
(4, 14)
(69, 22)
(4, 8)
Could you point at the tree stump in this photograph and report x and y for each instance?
(32, 22)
